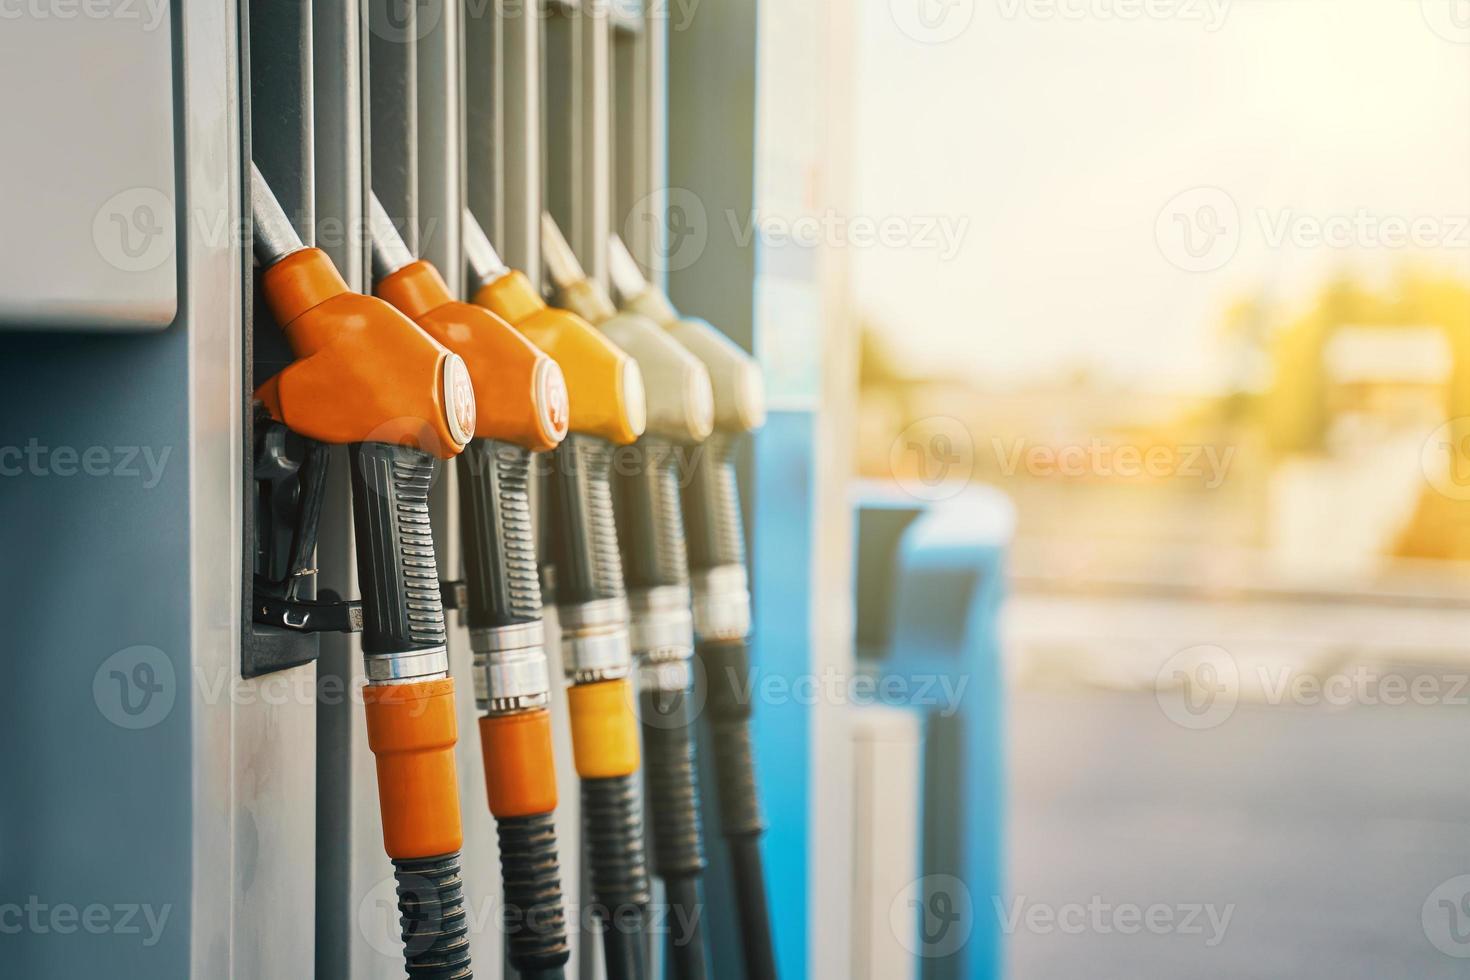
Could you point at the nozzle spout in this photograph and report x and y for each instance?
(485, 263)
(275, 236)
(389, 251)
(627, 278)
(561, 261)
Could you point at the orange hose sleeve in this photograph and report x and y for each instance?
(411, 730)
(520, 769)
(604, 729)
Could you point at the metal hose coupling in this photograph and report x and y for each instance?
(406, 667)
(594, 640)
(662, 637)
(511, 672)
(721, 606)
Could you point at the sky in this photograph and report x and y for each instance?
(1080, 187)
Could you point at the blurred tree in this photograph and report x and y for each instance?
(1296, 407)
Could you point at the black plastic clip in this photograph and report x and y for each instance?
(326, 614)
(454, 594)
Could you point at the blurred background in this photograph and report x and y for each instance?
(1190, 284)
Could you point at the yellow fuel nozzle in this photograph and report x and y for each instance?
(605, 389)
(681, 401)
(739, 392)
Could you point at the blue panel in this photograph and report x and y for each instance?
(946, 576)
(779, 516)
(95, 810)
(782, 547)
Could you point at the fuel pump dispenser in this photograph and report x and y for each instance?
(367, 377)
(651, 533)
(522, 399)
(722, 619)
(607, 409)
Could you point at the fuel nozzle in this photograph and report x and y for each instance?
(651, 528)
(681, 401)
(365, 375)
(720, 586)
(740, 398)
(608, 407)
(525, 399)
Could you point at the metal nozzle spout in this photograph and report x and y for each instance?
(275, 236)
(485, 263)
(627, 278)
(390, 253)
(561, 261)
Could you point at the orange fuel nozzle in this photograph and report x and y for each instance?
(365, 372)
(520, 391)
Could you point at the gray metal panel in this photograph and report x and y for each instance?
(273, 723)
(887, 762)
(577, 138)
(154, 784)
(440, 120)
(521, 79)
(213, 304)
(711, 172)
(98, 648)
(340, 71)
(484, 135)
(639, 133)
(87, 181)
(711, 164)
(576, 189)
(441, 151)
(393, 82)
(281, 109)
(350, 865)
